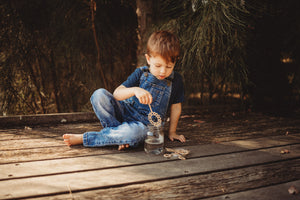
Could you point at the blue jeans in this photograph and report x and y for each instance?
(125, 122)
(118, 128)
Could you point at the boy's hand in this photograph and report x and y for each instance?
(143, 95)
(173, 136)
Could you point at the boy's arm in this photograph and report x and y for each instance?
(175, 112)
(122, 93)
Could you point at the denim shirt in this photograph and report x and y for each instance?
(177, 93)
(160, 91)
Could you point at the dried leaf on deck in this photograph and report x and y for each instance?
(28, 128)
(180, 153)
(293, 190)
(285, 151)
(287, 133)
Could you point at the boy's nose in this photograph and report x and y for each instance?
(162, 70)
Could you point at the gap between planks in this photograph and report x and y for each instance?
(212, 185)
(99, 162)
(103, 178)
(64, 152)
(125, 176)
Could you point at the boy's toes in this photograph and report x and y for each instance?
(123, 146)
(67, 142)
(67, 139)
(66, 136)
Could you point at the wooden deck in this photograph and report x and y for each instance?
(233, 155)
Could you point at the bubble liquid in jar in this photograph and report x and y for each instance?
(154, 142)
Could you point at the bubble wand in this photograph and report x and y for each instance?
(152, 114)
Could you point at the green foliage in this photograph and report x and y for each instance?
(213, 38)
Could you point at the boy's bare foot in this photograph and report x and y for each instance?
(123, 146)
(73, 139)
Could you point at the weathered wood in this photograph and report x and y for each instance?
(25, 155)
(33, 151)
(274, 192)
(231, 152)
(29, 120)
(47, 131)
(91, 162)
(30, 143)
(207, 129)
(198, 186)
(264, 142)
(113, 177)
(215, 127)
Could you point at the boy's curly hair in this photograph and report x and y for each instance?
(164, 44)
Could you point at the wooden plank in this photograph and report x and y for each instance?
(214, 128)
(39, 119)
(62, 151)
(90, 162)
(198, 186)
(263, 142)
(213, 134)
(47, 132)
(274, 192)
(232, 126)
(206, 186)
(116, 177)
(30, 143)
(50, 153)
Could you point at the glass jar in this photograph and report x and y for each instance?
(154, 142)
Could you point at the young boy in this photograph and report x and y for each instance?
(124, 115)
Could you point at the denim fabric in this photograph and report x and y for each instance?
(107, 109)
(160, 91)
(131, 133)
(125, 122)
(177, 94)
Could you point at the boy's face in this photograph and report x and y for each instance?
(158, 66)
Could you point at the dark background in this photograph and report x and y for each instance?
(54, 54)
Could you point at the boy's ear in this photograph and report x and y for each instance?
(147, 58)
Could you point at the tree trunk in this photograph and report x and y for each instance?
(98, 64)
(144, 12)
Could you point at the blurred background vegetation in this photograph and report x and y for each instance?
(54, 53)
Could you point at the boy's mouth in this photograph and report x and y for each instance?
(161, 77)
